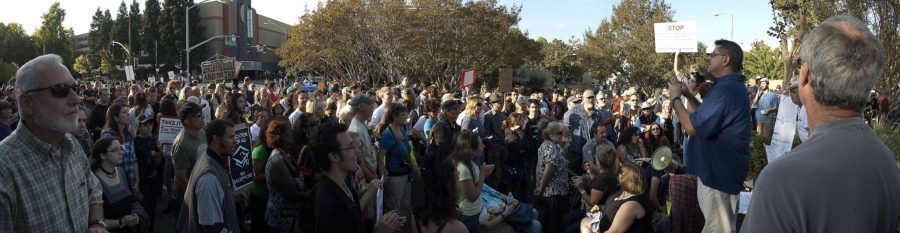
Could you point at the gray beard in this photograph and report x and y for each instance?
(43, 118)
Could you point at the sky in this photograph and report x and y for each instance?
(551, 19)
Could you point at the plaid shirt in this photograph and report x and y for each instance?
(43, 189)
(129, 157)
(686, 215)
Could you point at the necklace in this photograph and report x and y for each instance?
(109, 174)
(624, 196)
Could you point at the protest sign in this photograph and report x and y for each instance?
(241, 167)
(169, 127)
(675, 36)
(129, 73)
(785, 128)
(220, 68)
(467, 78)
(505, 80)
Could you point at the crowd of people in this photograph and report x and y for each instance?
(406, 158)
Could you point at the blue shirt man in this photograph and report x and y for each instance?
(767, 101)
(718, 151)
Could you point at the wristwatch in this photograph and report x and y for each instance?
(98, 222)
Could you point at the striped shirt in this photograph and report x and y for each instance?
(45, 189)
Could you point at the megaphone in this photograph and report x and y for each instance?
(661, 159)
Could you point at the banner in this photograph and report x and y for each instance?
(169, 127)
(241, 166)
(220, 68)
(467, 78)
(675, 36)
(785, 128)
(506, 80)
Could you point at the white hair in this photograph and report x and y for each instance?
(25, 76)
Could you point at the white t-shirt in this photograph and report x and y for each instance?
(376, 116)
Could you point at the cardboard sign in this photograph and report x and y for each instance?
(467, 78)
(506, 79)
(675, 36)
(169, 127)
(785, 128)
(224, 68)
(241, 165)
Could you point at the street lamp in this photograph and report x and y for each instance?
(127, 52)
(732, 23)
(279, 27)
(187, 35)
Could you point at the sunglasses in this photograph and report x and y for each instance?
(61, 90)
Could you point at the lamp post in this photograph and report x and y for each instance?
(187, 36)
(127, 52)
(731, 21)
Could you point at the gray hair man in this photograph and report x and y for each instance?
(363, 107)
(45, 182)
(843, 179)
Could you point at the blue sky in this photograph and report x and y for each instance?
(562, 19)
(559, 19)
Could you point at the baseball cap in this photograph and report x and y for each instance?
(144, 118)
(495, 98)
(188, 109)
(587, 93)
(573, 99)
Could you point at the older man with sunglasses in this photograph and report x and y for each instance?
(45, 182)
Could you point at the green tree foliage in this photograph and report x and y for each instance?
(99, 35)
(7, 71)
(623, 46)
(431, 40)
(105, 64)
(561, 58)
(168, 52)
(764, 61)
(82, 65)
(793, 18)
(52, 37)
(120, 34)
(150, 28)
(17, 46)
(134, 19)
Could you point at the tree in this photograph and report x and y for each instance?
(120, 34)
(623, 45)
(560, 57)
(150, 28)
(763, 61)
(134, 37)
(82, 65)
(99, 35)
(168, 52)
(794, 17)
(17, 46)
(428, 40)
(51, 37)
(105, 64)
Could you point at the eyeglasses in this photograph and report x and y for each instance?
(61, 90)
(116, 150)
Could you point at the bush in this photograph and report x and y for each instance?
(758, 159)
(890, 136)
